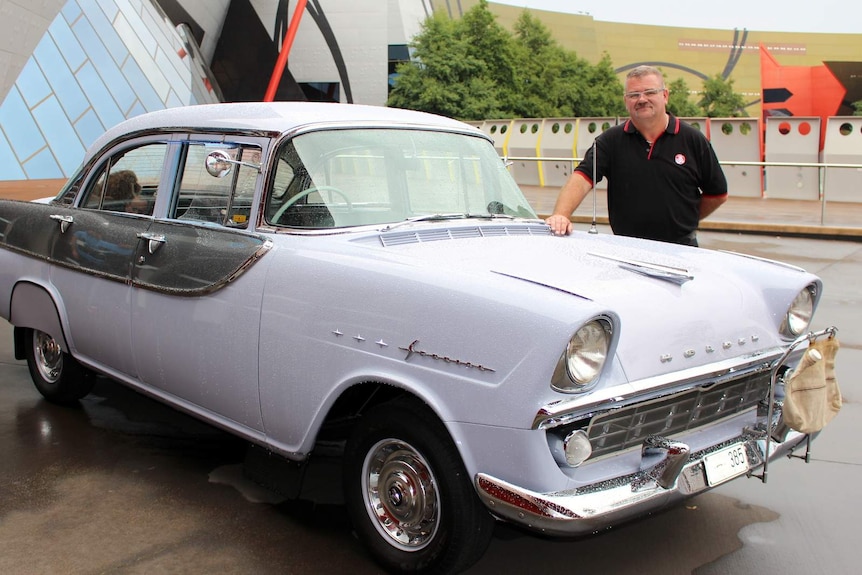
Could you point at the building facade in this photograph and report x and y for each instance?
(69, 69)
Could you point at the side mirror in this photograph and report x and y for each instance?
(219, 164)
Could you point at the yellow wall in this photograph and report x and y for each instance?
(705, 52)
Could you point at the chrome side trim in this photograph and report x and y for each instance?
(241, 269)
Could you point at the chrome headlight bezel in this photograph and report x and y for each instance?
(797, 318)
(584, 358)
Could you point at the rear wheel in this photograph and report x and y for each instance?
(56, 374)
(408, 493)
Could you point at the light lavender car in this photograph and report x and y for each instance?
(372, 282)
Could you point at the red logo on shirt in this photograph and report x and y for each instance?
(679, 159)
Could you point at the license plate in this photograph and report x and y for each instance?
(725, 464)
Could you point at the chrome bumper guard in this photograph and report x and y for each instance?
(669, 473)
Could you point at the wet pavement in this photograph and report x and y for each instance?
(124, 485)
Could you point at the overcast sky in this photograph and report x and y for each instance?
(828, 16)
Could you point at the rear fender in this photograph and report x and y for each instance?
(33, 307)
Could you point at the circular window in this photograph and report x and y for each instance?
(745, 128)
(555, 128)
(567, 128)
(784, 128)
(493, 129)
(523, 128)
(535, 128)
(804, 128)
(605, 126)
(845, 129)
(592, 127)
(504, 128)
(727, 128)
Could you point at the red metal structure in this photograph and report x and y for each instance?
(285, 51)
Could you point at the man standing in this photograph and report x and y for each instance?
(663, 175)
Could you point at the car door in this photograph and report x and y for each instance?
(94, 242)
(196, 284)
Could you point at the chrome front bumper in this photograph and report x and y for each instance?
(669, 474)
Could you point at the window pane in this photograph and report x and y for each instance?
(225, 200)
(132, 181)
(341, 178)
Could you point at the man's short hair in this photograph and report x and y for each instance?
(641, 71)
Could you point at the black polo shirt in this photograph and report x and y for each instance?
(654, 190)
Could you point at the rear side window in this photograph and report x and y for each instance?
(128, 181)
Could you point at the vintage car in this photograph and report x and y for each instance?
(372, 281)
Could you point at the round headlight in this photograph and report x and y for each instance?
(587, 352)
(799, 314)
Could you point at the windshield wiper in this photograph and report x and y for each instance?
(442, 217)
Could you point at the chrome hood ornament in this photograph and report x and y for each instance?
(667, 273)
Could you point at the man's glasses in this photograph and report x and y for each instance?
(648, 93)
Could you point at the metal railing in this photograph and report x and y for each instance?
(848, 213)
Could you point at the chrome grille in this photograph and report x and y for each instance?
(627, 427)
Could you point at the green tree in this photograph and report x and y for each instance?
(473, 69)
(446, 76)
(489, 43)
(604, 96)
(719, 100)
(546, 81)
(679, 102)
(857, 107)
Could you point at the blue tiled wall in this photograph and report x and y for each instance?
(100, 62)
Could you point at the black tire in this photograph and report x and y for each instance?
(57, 375)
(429, 519)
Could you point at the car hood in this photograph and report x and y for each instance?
(675, 307)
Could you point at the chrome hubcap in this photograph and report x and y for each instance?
(49, 356)
(401, 494)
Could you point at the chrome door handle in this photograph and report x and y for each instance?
(154, 241)
(64, 221)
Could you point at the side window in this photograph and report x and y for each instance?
(226, 200)
(128, 181)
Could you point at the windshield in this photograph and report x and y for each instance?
(356, 177)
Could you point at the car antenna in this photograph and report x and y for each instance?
(593, 229)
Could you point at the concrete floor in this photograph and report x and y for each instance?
(124, 485)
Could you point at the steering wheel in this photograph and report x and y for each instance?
(286, 205)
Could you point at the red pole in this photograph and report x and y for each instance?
(285, 50)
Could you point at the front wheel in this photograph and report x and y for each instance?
(56, 374)
(408, 493)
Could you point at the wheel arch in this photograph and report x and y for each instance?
(354, 401)
(33, 306)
